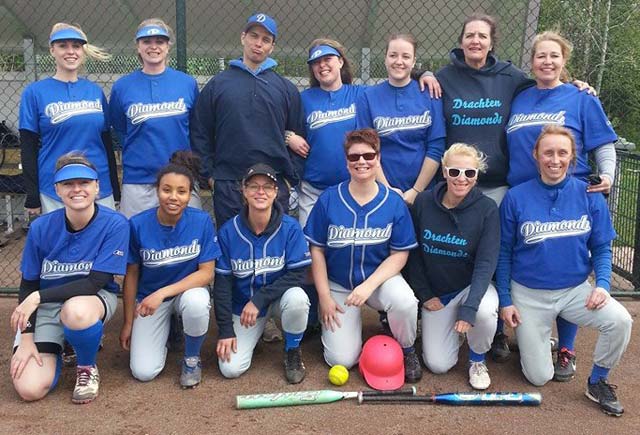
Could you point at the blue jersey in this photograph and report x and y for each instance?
(356, 238)
(151, 115)
(564, 105)
(56, 256)
(550, 231)
(256, 261)
(168, 254)
(329, 115)
(411, 127)
(68, 116)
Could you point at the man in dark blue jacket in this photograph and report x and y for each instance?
(241, 117)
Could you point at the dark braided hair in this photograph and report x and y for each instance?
(182, 163)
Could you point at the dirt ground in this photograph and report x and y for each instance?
(126, 406)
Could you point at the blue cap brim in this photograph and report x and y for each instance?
(67, 34)
(75, 172)
(320, 51)
(149, 31)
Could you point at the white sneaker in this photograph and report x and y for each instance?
(87, 384)
(479, 375)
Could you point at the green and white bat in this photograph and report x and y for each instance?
(295, 398)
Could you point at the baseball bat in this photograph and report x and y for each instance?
(462, 399)
(295, 398)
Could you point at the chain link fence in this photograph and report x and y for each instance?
(208, 37)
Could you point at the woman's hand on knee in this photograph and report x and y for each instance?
(511, 316)
(25, 351)
(149, 305)
(224, 348)
(359, 295)
(433, 304)
(249, 315)
(329, 310)
(597, 299)
(20, 316)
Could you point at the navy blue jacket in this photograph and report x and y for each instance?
(240, 118)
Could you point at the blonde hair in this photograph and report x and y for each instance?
(462, 149)
(90, 50)
(565, 47)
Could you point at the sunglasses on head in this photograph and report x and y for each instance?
(367, 156)
(456, 172)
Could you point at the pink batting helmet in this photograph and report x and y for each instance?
(382, 363)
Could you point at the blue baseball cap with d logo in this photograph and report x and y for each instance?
(265, 21)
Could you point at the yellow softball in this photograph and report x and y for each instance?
(338, 375)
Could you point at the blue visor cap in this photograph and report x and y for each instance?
(75, 171)
(67, 34)
(148, 31)
(265, 21)
(322, 50)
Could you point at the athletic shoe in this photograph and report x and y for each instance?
(479, 375)
(565, 367)
(500, 348)
(68, 355)
(191, 374)
(175, 340)
(87, 384)
(412, 367)
(604, 394)
(385, 329)
(271, 332)
(554, 344)
(294, 369)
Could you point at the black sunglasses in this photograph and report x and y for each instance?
(367, 156)
(456, 172)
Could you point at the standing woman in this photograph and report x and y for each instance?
(150, 111)
(172, 254)
(409, 122)
(553, 101)
(553, 223)
(360, 234)
(67, 290)
(63, 113)
(263, 264)
(459, 233)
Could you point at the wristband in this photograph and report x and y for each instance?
(413, 188)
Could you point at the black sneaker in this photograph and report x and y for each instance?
(500, 348)
(565, 367)
(385, 329)
(412, 367)
(68, 355)
(175, 340)
(604, 394)
(294, 369)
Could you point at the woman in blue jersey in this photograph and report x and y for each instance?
(360, 234)
(172, 255)
(553, 101)
(67, 290)
(150, 110)
(458, 229)
(553, 235)
(63, 113)
(264, 261)
(409, 122)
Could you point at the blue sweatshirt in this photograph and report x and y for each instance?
(457, 247)
(240, 119)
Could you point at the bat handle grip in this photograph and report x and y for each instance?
(412, 391)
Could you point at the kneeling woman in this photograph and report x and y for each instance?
(67, 289)
(554, 234)
(172, 255)
(263, 264)
(360, 233)
(458, 230)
